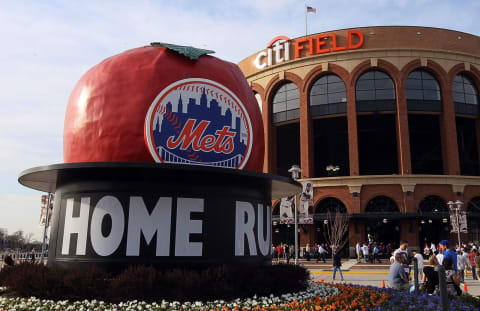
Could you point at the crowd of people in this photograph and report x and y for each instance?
(456, 260)
(286, 252)
(373, 252)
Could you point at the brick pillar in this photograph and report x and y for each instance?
(448, 130)
(352, 132)
(306, 237)
(306, 138)
(409, 232)
(403, 135)
(270, 158)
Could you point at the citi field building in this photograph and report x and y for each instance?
(384, 122)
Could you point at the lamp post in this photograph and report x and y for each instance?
(456, 208)
(44, 243)
(295, 170)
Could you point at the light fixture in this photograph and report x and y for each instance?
(422, 221)
(444, 220)
(298, 230)
(429, 221)
(288, 226)
(277, 231)
(385, 220)
(295, 170)
(325, 222)
(275, 223)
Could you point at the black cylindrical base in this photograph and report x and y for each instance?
(118, 214)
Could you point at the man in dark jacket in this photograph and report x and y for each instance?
(337, 263)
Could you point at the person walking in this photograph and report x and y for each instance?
(365, 252)
(462, 264)
(419, 263)
(358, 248)
(471, 258)
(322, 253)
(287, 253)
(307, 252)
(375, 254)
(403, 250)
(337, 263)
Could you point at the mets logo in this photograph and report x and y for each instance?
(199, 122)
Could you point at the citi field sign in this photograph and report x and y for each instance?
(279, 49)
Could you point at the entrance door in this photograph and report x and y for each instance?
(385, 231)
(433, 230)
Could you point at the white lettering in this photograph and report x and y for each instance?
(76, 225)
(287, 50)
(269, 58)
(264, 244)
(107, 245)
(256, 62)
(140, 221)
(244, 223)
(277, 48)
(186, 226)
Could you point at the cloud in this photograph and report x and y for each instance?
(48, 45)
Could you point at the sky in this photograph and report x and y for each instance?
(46, 46)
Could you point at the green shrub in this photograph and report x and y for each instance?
(149, 284)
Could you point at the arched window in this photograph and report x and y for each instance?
(286, 103)
(328, 95)
(432, 204)
(375, 91)
(330, 205)
(465, 95)
(382, 204)
(423, 92)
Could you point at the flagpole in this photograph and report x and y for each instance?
(306, 13)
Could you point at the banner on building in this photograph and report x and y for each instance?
(305, 206)
(462, 218)
(286, 210)
(43, 210)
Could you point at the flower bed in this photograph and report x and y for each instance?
(318, 297)
(401, 300)
(316, 292)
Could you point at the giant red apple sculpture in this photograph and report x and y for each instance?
(168, 104)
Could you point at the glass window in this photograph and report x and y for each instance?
(331, 88)
(421, 85)
(375, 85)
(464, 91)
(285, 100)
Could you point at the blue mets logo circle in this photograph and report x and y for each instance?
(199, 122)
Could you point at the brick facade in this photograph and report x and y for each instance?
(397, 51)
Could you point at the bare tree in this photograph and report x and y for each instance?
(336, 229)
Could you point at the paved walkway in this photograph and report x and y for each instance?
(367, 274)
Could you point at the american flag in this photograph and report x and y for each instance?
(310, 9)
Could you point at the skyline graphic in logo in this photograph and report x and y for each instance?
(198, 122)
